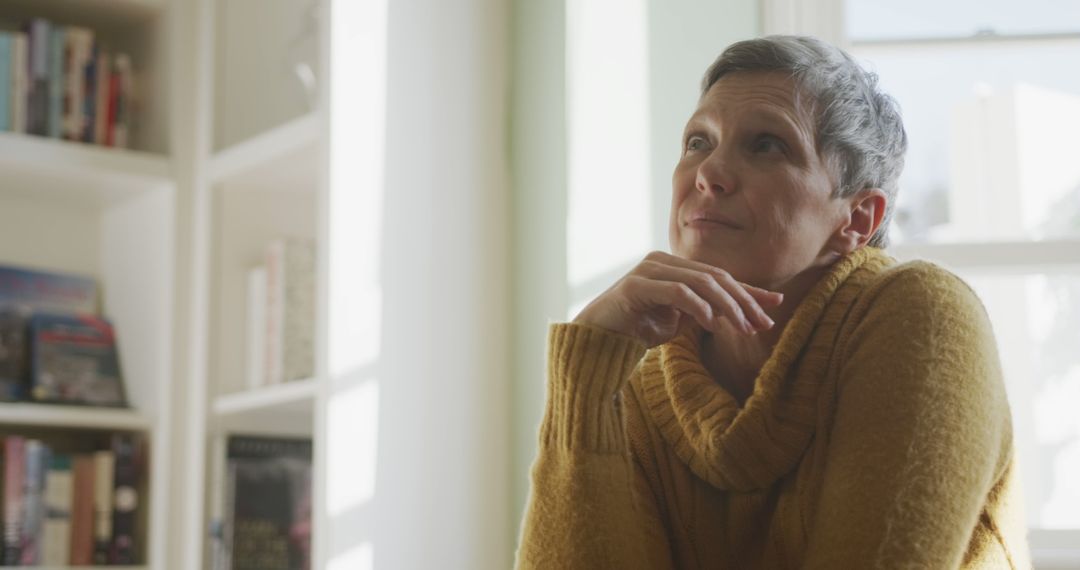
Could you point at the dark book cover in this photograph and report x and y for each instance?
(268, 518)
(125, 497)
(14, 353)
(74, 360)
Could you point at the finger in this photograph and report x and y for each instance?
(764, 296)
(749, 304)
(652, 292)
(772, 298)
(727, 299)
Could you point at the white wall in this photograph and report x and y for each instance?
(442, 495)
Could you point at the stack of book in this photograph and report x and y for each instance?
(281, 314)
(54, 347)
(72, 508)
(61, 82)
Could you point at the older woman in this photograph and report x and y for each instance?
(779, 392)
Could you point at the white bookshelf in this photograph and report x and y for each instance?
(79, 417)
(110, 214)
(280, 409)
(265, 149)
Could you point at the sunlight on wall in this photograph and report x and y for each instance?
(358, 105)
(353, 425)
(360, 558)
(608, 154)
(348, 410)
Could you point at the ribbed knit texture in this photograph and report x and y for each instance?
(877, 436)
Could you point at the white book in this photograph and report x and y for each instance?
(20, 81)
(59, 494)
(290, 267)
(104, 469)
(256, 327)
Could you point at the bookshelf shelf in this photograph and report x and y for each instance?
(38, 167)
(295, 396)
(28, 414)
(75, 567)
(265, 148)
(285, 409)
(88, 12)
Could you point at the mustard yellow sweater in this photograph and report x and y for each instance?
(878, 436)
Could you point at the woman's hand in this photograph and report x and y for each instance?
(650, 301)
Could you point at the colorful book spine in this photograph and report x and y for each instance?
(59, 495)
(5, 81)
(76, 53)
(104, 466)
(82, 512)
(14, 473)
(57, 79)
(37, 459)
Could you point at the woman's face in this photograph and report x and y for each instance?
(749, 162)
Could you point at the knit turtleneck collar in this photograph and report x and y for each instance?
(748, 448)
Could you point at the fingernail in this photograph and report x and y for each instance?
(769, 322)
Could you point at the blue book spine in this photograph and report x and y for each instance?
(57, 40)
(5, 81)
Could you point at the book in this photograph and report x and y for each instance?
(14, 353)
(103, 79)
(290, 347)
(47, 290)
(14, 473)
(82, 511)
(54, 122)
(77, 46)
(126, 477)
(74, 360)
(256, 327)
(267, 519)
(38, 31)
(19, 81)
(122, 118)
(33, 502)
(104, 466)
(5, 81)
(59, 494)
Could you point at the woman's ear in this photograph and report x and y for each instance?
(864, 213)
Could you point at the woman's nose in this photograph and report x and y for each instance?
(714, 174)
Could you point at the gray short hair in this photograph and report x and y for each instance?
(858, 127)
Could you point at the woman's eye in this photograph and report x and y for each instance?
(695, 143)
(768, 143)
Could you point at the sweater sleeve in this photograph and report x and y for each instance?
(920, 425)
(588, 507)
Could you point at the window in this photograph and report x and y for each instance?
(991, 188)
